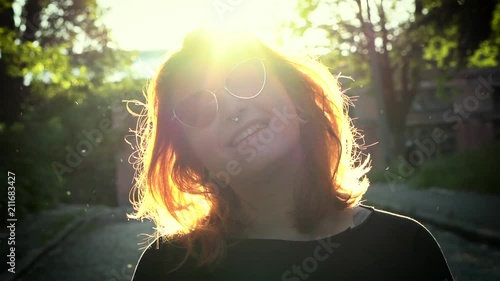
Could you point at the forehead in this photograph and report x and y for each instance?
(202, 75)
(191, 79)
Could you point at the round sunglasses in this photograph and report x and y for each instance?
(246, 80)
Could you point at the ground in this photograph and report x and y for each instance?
(108, 247)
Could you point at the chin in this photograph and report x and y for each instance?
(267, 151)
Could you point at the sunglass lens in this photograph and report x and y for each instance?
(247, 79)
(197, 110)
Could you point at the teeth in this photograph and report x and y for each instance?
(252, 129)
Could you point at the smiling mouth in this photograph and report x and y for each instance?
(252, 130)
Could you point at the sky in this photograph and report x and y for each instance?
(162, 24)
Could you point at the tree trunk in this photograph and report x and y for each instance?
(13, 91)
(377, 82)
(11, 86)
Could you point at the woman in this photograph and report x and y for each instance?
(250, 170)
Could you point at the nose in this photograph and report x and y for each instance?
(231, 107)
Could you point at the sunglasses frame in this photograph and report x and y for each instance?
(174, 115)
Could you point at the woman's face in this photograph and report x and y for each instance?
(242, 138)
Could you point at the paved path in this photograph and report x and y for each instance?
(103, 249)
(106, 249)
(469, 213)
(468, 261)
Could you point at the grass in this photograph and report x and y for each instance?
(468, 171)
(376, 176)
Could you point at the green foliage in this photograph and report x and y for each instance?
(65, 56)
(486, 55)
(391, 47)
(462, 33)
(488, 52)
(43, 135)
(388, 174)
(30, 144)
(93, 180)
(29, 57)
(453, 34)
(376, 176)
(351, 66)
(440, 49)
(471, 171)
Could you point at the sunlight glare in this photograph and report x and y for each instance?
(160, 25)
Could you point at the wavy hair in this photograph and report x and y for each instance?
(172, 187)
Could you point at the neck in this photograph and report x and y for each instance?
(269, 199)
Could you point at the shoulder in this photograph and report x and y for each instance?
(162, 247)
(395, 238)
(393, 221)
(417, 249)
(158, 258)
(395, 231)
(405, 229)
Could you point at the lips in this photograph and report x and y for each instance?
(247, 131)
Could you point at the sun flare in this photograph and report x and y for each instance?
(156, 24)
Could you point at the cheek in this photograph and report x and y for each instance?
(278, 142)
(206, 147)
(274, 97)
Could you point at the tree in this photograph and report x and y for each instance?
(56, 45)
(399, 40)
(55, 57)
(462, 33)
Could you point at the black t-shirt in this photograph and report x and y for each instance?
(385, 247)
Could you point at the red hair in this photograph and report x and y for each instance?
(171, 186)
